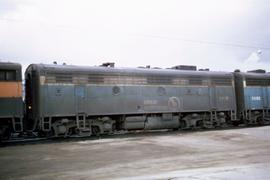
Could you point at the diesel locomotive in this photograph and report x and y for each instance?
(253, 97)
(11, 102)
(65, 100)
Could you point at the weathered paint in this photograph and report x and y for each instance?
(69, 90)
(11, 107)
(101, 100)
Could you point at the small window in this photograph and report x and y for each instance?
(10, 75)
(7, 75)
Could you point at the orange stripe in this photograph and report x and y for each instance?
(10, 89)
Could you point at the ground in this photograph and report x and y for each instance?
(220, 154)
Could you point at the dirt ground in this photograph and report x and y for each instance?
(226, 154)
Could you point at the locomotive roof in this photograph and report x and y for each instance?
(51, 68)
(254, 75)
(10, 66)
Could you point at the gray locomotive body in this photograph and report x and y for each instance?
(253, 97)
(71, 99)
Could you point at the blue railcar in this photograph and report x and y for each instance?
(253, 97)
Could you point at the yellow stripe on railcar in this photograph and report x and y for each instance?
(10, 89)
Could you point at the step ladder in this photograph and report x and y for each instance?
(80, 120)
(209, 122)
(213, 116)
(233, 115)
(266, 116)
(83, 127)
(17, 124)
(46, 124)
(265, 112)
(248, 115)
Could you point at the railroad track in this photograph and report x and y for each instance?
(16, 141)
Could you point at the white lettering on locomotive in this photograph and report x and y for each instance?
(255, 98)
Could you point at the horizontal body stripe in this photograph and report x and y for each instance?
(10, 89)
(141, 85)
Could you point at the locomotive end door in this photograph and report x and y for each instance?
(80, 98)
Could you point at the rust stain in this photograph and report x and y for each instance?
(10, 89)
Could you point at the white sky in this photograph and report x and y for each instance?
(160, 33)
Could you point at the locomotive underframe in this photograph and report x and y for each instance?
(256, 116)
(94, 125)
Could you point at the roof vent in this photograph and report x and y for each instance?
(206, 69)
(107, 64)
(261, 71)
(145, 67)
(185, 67)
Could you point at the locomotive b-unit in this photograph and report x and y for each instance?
(66, 99)
(253, 97)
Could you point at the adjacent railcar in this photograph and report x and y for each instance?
(66, 99)
(253, 97)
(11, 103)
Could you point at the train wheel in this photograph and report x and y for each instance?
(5, 133)
(260, 121)
(96, 130)
(200, 124)
(183, 124)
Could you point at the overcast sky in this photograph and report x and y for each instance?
(216, 34)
